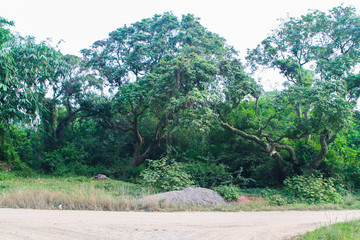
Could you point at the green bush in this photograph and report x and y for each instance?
(243, 181)
(228, 192)
(68, 160)
(6, 175)
(275, 196)
(165, 175)
(312, 189)
(10, 159)
(208, 175)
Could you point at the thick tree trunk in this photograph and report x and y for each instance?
(324, 144)
(136, 161)
(139, 157)
(320, 156)
(323, 150)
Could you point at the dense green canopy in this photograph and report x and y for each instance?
(168, 88)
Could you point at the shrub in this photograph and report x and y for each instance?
(243, 181)
(312, 189)
(10, 160)
(6, 175)
(228, 192)
(275, 196)
(68, 160)
(165, 175)
(208, 175)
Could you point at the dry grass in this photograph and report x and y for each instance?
(44, 199)
(99, 201)
(111, 195)
(73, 194)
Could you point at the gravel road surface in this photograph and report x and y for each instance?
(21, 224)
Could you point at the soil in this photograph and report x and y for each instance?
(248, 199)
(21, 224)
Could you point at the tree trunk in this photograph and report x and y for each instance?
(138, 157)
(325, 140)
(320, 156)
(136, 161)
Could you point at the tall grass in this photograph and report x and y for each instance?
(44, 199)
(73, 194)
(80, 193)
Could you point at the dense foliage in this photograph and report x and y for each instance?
(167, 88)
(165, 175)
(228, 192)
(312, 189)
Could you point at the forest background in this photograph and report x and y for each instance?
(166, 102)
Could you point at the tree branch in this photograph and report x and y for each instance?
(245, 135)
(287, 148)
(330, 140)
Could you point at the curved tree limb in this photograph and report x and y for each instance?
(268, 148)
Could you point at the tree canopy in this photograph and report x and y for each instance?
(160, 66)
(168, 88)
(319, 59)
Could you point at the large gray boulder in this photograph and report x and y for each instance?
(188, 196)
(101, 177)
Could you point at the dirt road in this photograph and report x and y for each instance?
(90, 225)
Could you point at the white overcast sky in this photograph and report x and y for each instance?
(81, 22)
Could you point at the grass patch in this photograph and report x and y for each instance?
(339, 231)
(81, 193)
(73, 194)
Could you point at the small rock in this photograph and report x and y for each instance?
(101, 177)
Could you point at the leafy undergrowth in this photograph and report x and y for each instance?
(344, 231)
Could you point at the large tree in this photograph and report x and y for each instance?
(319, 55)
(27, 71)
(161, 69)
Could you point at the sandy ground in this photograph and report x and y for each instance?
(90, 225)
